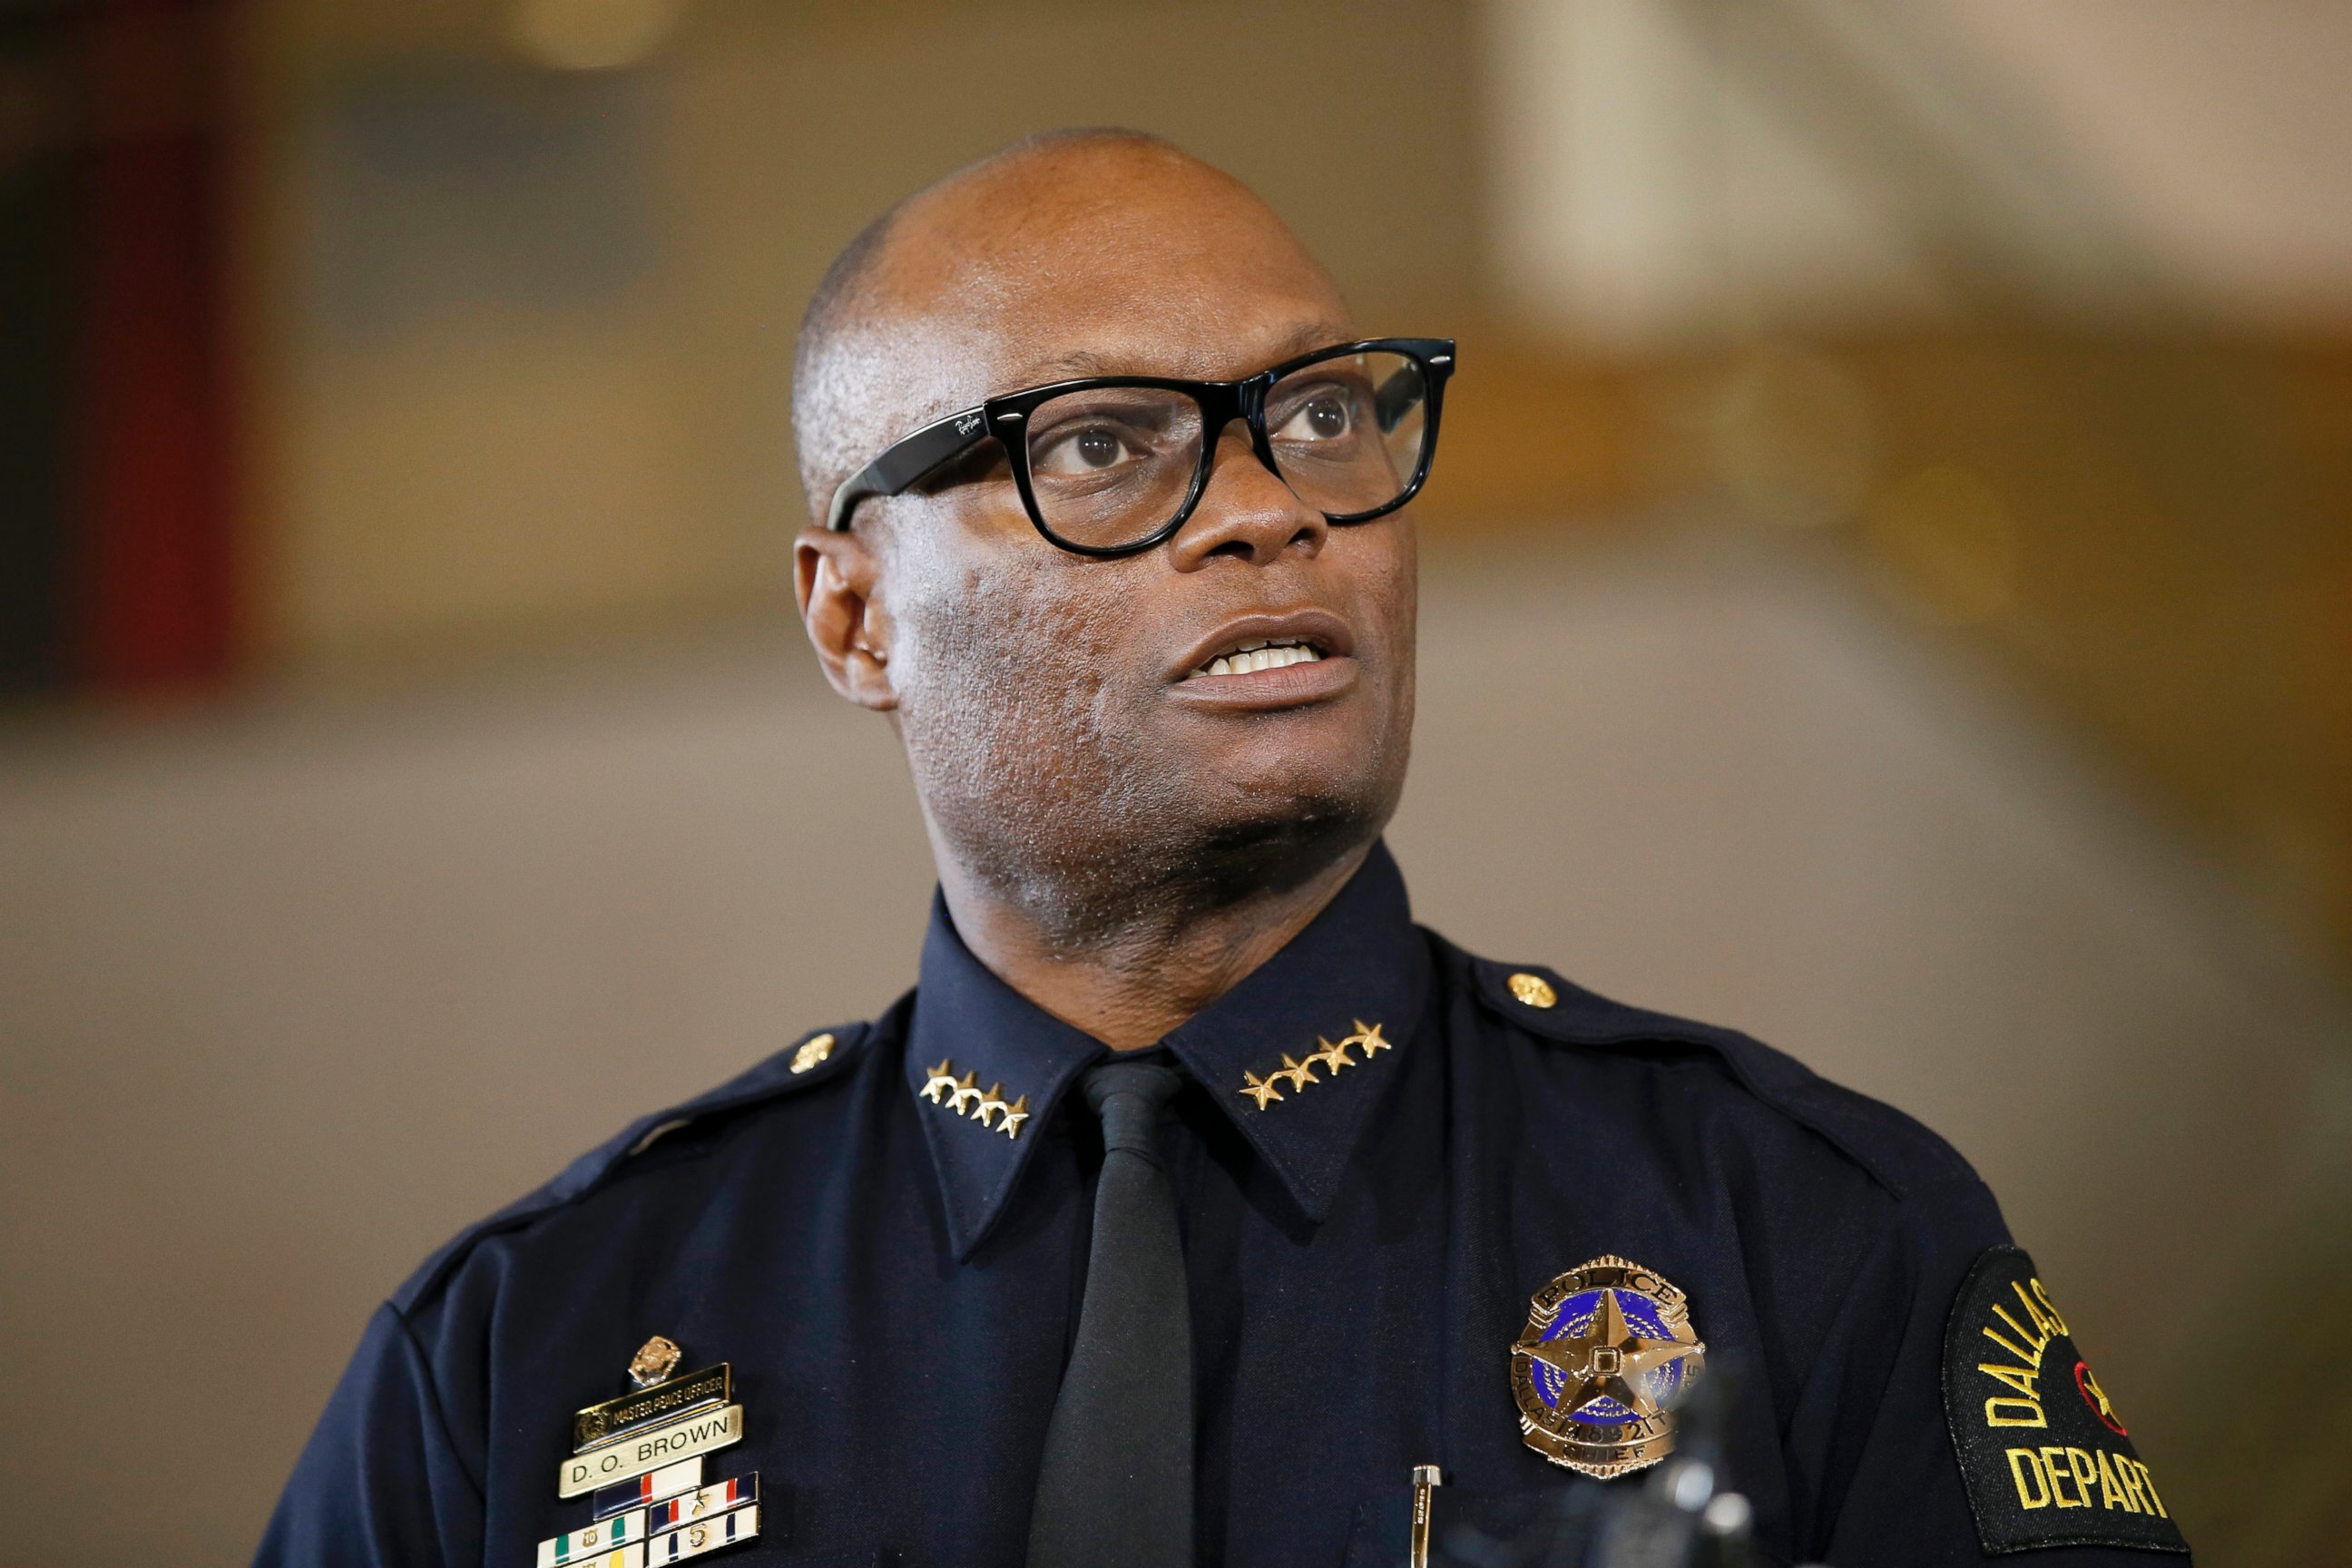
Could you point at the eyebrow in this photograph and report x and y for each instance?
(1087, 362)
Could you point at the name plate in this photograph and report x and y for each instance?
(644, 1451)
(664, 1402)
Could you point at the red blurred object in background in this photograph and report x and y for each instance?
(154, 573)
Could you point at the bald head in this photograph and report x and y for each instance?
(1079, 749)
(978, 284)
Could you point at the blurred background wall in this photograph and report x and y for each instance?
(1890, 587)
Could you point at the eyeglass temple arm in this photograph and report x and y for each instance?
(1413, 382)
(907, 462)
(1397, 396)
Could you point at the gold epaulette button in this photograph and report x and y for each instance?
(1533, 990)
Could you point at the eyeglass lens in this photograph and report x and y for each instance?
(1111, 466)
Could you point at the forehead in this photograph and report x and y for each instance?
(1097, 262)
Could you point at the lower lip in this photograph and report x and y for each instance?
(1265, 690)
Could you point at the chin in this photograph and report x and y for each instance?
(1268, 845)
(1310, 763)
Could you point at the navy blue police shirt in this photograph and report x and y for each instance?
(895, 1279)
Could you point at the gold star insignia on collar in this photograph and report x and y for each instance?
(1261, 1089)
(1329, 1055)
(964, 1097)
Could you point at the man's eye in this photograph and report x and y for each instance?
(1323, 418)
(1090, 450)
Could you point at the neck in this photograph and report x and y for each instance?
(1170, 949)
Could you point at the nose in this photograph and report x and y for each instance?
(1246, 512)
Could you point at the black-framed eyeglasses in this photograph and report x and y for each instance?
(1111, 465)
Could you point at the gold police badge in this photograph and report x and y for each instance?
(1608, 1350)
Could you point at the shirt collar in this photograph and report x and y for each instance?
(1346, 989)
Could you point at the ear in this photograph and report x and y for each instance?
(834, 576)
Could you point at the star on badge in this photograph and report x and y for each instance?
(990, 1104)
(1369, 1037)
(940, 1082)
(1608, 1350)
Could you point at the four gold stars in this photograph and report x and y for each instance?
(1330, 1056)
(965, 1097)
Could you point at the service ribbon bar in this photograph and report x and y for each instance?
(664, 1402)
(667, 1481)
(706, 1535)
(640, 1452)
(715, 1498)
(630, 1556)
(574, 1545)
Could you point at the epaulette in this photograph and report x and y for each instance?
(1895, 1151)
(813, 1059)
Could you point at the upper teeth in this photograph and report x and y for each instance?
(1255, 656)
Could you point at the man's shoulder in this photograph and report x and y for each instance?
(674, 1139)
(1536, 1002)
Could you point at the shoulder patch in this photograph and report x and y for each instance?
(794, 1068)
(2044, 1457)
(1899, 1153)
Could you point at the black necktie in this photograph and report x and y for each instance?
(1117, 1486)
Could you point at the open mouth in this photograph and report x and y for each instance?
(1249, 657)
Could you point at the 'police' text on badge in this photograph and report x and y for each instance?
(1608, 1350)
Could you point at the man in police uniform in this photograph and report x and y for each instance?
(1195, 1197)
